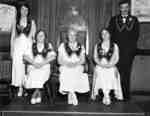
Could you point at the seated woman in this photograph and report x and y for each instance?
(71, 57)
(106, 76)
(43, 54)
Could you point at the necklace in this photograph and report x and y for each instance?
(73, 46)
(23, 22)
(40, 47)
(105, 46)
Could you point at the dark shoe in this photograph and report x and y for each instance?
(126, 99)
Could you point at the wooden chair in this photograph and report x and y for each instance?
(51, 86)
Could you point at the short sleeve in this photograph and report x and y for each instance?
(60, 48)
(62, 53)
(116, 49)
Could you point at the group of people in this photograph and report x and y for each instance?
(30, 48)
(113, 56)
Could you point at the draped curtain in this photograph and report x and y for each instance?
(46, 18)
(100, 12)
(97, 13)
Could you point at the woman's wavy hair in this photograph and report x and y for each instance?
(36, 34)
(100, 34)
(19, 6)
(34, 47)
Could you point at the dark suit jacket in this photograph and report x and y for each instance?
(125, 34)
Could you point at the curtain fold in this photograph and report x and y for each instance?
(96, 13)
(46, 18)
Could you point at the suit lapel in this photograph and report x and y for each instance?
(128, 25)
(120, 25)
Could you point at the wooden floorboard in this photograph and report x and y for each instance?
(21, 107)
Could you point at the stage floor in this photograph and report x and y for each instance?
(21, 105)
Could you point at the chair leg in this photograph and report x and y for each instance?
(54, 88)
(49, 93)
(10, 92)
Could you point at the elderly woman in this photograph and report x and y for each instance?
(71, 57)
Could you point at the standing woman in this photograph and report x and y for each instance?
(106, 76)
(23, 32)
(71, 57)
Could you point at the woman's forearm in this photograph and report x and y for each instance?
(106, 65)
(65, 61)
(115, 57)
(113, 61)
(111, 64)
(81, 61)
(61, 60)
(28, 59)
(48, 60)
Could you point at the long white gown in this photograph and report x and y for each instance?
(108, 78)
(72, 79)
(22, 46)
(36, 77)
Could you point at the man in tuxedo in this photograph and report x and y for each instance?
(124, 29)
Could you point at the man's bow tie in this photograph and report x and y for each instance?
(124, 19)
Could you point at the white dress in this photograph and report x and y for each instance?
(108, 78)
(72, 79)
(36, 77)
(22, 46)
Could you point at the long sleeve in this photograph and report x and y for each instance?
(33, 30)
(13, 35)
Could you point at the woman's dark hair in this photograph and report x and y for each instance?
(100, 34)
(41, 30)
(25, 30)
(99, 46)
(46, 45)
(19, 6)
